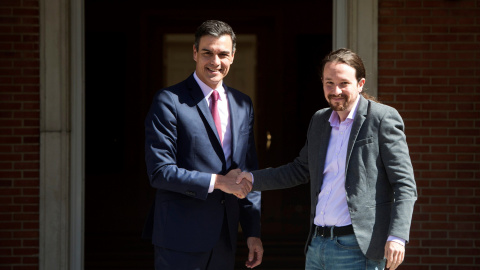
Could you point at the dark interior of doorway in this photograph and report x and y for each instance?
(121, 76)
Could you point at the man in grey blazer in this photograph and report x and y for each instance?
(361, 178)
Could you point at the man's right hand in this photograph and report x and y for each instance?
(244, 175)
(228, 184)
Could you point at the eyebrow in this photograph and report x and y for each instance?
(207, 50)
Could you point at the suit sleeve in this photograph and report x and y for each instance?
(250, 206)
(396, 159)
(161, 151)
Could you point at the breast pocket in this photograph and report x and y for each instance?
(241, 147)
(365, 141)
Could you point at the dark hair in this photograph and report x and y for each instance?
(347, 57)
(214, 28)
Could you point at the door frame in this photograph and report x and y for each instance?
(62, 134)
(62, 110)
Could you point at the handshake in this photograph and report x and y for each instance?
(233, 183)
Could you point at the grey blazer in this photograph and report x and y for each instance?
(380, 185)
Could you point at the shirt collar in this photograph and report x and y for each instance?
(207, 91)
(335, 119)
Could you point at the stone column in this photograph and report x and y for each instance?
(61, 134)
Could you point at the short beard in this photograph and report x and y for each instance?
(337, 106)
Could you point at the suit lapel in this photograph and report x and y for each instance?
(199, 100)
(234, 121)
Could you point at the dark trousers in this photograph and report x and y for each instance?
(221, 257)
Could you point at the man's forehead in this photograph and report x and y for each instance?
(208, 39)
(338, 69)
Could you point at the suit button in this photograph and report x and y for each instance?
(222, 202)
(191, 193)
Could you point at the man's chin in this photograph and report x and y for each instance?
(214, 81)
(337, 107)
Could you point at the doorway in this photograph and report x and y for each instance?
(125, 65)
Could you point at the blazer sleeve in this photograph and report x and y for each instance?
(250, 206)
(161, 151)
(286, 176)
(396, 159)
(289, 175)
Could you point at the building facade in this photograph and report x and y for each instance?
(424, 56)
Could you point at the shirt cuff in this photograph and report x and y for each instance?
(252, 178)
(396, 240)
(212, 184)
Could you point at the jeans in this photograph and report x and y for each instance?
(338, 252)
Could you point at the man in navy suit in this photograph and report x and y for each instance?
(198, 138)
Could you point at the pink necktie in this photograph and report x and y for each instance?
(216, 114)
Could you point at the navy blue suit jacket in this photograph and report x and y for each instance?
(182, 150)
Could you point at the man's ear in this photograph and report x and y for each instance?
(194, 53)
(361, 83)
(233, 56)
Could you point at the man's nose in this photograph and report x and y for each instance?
(337, 90)
(215, 60)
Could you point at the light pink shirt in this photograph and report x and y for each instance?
(332, 208)
(224, 118)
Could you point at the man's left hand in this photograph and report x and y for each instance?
(394, 253)
(255, 253)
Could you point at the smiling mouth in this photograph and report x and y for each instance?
(336, 98)
(213, 70)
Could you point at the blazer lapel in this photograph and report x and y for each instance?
(356, 126)
(324, 133)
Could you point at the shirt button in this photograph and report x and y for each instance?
(222, 202)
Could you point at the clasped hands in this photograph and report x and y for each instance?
(233, 183)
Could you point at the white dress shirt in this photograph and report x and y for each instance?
(222, 105)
